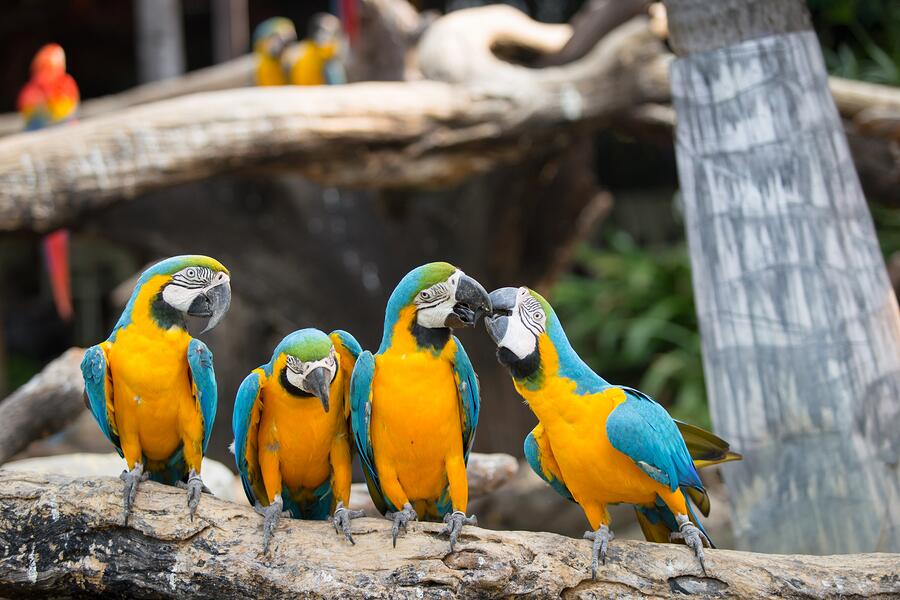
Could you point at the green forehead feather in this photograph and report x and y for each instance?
(433, 273)
(543, 302)
(306, 344)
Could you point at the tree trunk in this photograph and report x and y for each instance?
(230, 28)
(64, 538)
(159, 38)
(801, 332)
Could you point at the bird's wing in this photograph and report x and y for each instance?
(245, 425)
(98, 392)
(361, 419)
(469, 400)
(644, 431)
(540, 457)
(200, 361)
(348, 350)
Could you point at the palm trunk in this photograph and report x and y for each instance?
(801, 331)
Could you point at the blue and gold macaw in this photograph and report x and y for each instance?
(415, 402)
(282, 60)
(597, 443)
(151, 386)
(291, 431)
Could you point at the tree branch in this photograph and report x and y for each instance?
(48, 402)
(64, 536)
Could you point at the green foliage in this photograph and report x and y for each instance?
(860, 38)
(629, 313)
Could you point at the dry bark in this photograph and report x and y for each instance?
(48, 402)
(63, 537)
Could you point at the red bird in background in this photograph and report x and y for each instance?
(51, 97)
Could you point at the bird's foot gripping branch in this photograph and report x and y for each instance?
(64, 536)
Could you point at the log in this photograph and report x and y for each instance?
(48, 402)
(63, 536)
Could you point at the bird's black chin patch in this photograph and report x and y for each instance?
(519, 368)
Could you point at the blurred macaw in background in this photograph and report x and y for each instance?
(415, 403)
(291, 429)
(151, 386)
(51, 97)
(317, 60)
(597, 443)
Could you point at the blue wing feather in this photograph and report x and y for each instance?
(469, 396)
(347, 341)
(643, 430)
(533, 456)
(360, 420)
(94, 370)
(200, 360)
(247, 396)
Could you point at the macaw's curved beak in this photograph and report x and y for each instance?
(318, 383)
(503, 301)
(472, 301)
(212, 304)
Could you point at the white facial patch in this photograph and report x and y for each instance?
(434, 304)
(297, 370)
(525, 325)
(189, 283)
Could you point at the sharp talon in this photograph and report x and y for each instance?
(129, 492)
(270, 514)
(601, 539)
(400, 519)
(454, 524)
(693, 538)
(341, 520)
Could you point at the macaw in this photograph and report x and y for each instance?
(292, 433)
(151, 386)
(415, 403)
(282, 60)
(51, 97)
(597, 443)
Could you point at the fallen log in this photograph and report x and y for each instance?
(64, 537)
(47, 403)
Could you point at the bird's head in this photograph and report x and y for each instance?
(272, 35)
(520, 318)
(440, 297)
(307, 364)
(49, 60)
(193, 285)
(325, 29)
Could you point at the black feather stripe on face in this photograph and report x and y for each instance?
(193, 277)
(528, 308)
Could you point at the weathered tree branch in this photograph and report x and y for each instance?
(47, 403)
(63, 536)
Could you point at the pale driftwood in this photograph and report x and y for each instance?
(800, 325)
(64, 537)
(368, 134)
(48, 402)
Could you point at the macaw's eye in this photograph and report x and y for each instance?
(425, 295)
(539, 316)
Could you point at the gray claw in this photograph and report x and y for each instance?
(271, 514)
(400, 519)
(601, 538)
(453, 525)
(132, 479)
(194, 487)
(693, 538)
(341, 520)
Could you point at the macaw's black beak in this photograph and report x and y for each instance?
(472, 301)
(503, 301)
(318, 383)
(212, 305)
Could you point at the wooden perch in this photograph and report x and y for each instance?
(48, 402)
(63, 536)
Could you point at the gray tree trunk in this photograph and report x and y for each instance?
(159, 38)
(230, 28)
(801, 332)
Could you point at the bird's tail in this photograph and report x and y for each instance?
(658, 522)
(56, 258)
(705, 447)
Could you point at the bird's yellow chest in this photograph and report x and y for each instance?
(308, 64)
(152, 387)
(301, 433)
(575, 428)
(415, 422)
(269, 71)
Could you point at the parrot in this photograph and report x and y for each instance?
(282, 60)
(51, 97)
(150, 386)
(291, 429)
(597, 443)
(415, 403)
